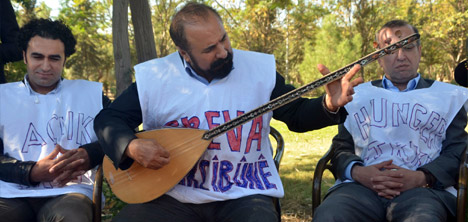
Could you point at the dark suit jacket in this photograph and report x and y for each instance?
(444, 168)
(9, 50)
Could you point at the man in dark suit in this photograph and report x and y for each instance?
(461, 71)
(9, 51)
(397, 155)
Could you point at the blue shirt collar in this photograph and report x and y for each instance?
(32, 92)
(387, 84)
(193, 74)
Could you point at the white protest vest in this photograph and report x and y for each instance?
(407, 127)
(32, 124)
(236, 164)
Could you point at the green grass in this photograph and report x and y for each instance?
(302, 151)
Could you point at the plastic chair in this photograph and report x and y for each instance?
(324, 164)
(97, 192)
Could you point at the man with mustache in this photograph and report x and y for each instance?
(203, 85)
(398, 153)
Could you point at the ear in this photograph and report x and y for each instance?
(375, 44)
(184, 54)
(25, 60)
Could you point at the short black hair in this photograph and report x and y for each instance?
(46, 28)
(185, 15)
(397, 23)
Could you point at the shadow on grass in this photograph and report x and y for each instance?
(296, 205)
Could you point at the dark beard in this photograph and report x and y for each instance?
(218, 69)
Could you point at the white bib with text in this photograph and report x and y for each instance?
(407, 127)
(32, 124)
(236, 164)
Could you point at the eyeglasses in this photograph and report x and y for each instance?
(409, 47)
(405, 48)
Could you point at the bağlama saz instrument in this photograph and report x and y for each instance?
(138, 184)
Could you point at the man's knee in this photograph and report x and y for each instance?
(250, 208)
(419, 204)
(68, 207)
(328, 211)
(350, 202)
(16, 210)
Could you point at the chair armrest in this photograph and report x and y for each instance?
(322, 165)
(97, 195)
(279, 146)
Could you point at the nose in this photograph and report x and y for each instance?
(46, 65)
(221, 52)
(401, 54)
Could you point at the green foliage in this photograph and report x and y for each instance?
(300, 27)
(331, 47)
(299, 33)
(113, 205)
(90, 23)
(161, 17)
(277, 27)
(15, 71)
(444, 39)
(254, 26)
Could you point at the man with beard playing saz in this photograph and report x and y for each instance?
(205, 84)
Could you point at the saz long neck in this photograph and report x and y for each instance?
(297, 93)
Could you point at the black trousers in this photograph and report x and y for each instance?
(247, 209)
(65, 208)
(355, 202)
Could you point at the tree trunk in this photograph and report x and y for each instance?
(121, 44)
(144, 38)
